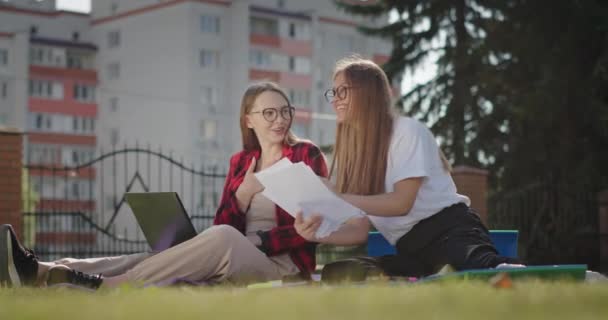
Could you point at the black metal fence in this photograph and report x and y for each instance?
(78, 208)
(557, 223)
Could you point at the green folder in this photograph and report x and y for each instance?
(546, 272)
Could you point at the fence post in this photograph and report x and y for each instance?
(473, 183)
(11, 150)
(603, 227)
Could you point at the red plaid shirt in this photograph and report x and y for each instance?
(283, 238)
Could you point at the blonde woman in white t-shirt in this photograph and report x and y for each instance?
(392, 168)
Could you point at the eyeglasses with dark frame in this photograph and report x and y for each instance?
(339, 92)
(271, 114)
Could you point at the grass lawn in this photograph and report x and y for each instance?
(451, 300)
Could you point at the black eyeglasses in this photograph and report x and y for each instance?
(271, 114)
(339, 92)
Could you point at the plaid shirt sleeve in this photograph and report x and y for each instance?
(284, 237)
(228, 211)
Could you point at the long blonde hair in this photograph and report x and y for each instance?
(250, 140)
(363, 138)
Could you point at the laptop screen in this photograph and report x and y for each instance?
(162, 218)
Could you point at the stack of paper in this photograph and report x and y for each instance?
(295, 187)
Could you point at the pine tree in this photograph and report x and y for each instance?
(556, 85)
(454, 31)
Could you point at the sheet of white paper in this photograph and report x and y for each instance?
(296, 187)
(283, 163)
(334, 212)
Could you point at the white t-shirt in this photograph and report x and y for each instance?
(413, 152)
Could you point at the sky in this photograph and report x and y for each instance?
(423, 74)
(74, 5)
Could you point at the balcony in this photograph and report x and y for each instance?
(63, 55)
(265, 40)
(88, 75)
(62, 138)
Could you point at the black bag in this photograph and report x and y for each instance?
(356, 269)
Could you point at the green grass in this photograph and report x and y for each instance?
(450, 300)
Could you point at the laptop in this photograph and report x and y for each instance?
(162, 218)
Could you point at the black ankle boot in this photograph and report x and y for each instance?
(18, 265)
(64, 276)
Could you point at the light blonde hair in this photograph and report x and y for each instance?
(363, 137)
(249, 138)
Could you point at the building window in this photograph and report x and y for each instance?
(114, 104)
(82, 125)
(38, 122)
(209, 98)
(77, 93)
(259, 58)
(299, 65)
(303, 31)
(58, 57)
(113, 7)
(3, 57)
(57, 91)
(36, 55)
(74, 62)
(48, 56)
(85, 124)
(210, 24)
(298, 30)
(79, 60)
(113, 39)
(209, 59)
(292, 30)
(264, 26)
(84, 93)
(75, 157)
(4, 90)
(44, 154)
(45, 89)
(292, 64)
(114, 136)
(208, 129)
(41, 121)
(62, 123)
(75, 124)
(300, 98)
(113, 70)
(208, 95)
(75, 190)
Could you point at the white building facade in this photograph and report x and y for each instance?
(173, 72)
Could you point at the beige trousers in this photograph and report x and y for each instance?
(220, 253)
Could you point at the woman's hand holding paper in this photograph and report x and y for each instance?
(307, 228)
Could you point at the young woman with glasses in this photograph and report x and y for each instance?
(252, 240)
(392, 168)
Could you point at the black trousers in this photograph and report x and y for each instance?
(454, 236)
